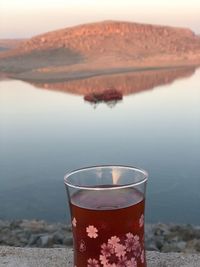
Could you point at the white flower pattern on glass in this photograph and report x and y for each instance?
(141, 220)
(93, 263)
(74, 222)
(132, 263)
(120, 250)
(107, 249)
(122, 262)
(132, 242)
(92, 231)
(142, 257)
(114, 240)
(103, 259)
(124, 252)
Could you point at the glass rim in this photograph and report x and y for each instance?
(133, 168)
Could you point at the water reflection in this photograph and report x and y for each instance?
(109, 96)
(126, 83)
(44, 133)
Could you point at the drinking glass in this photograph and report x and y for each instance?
(107, 214)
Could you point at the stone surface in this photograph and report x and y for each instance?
(40, 257)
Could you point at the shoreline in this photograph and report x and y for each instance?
(65, 76)
(159, 237)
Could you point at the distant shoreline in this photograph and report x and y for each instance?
(54, 77)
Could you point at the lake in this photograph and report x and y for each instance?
(48, 129)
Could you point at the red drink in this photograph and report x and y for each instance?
(108, 228)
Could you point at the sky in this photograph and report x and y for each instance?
(26, 18)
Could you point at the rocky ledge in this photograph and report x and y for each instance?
(159, 237)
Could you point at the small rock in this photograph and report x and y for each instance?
(45, 241)
(58, 238)
(181, 245)
(33, 240)
(68, 241)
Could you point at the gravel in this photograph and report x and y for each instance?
(62, 257)
(158, 237)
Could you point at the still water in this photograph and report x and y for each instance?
(46, 130)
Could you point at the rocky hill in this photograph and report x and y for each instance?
(87, 47)
(110, 36)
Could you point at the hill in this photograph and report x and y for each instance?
(96, 48)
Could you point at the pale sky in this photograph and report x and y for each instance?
(26, 18)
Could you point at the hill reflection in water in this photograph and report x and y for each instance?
(126, 83)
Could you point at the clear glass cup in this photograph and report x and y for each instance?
(107, 210)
